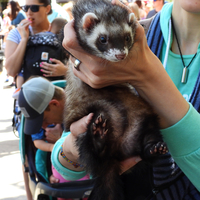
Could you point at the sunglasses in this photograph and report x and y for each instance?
(34, 8)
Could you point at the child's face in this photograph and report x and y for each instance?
(54, 115)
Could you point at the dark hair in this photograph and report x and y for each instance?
(139, 3)
(46, 3)
(14, 9)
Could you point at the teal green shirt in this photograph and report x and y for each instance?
(183, 138)
(174, 65)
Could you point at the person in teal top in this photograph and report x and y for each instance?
(166, 86)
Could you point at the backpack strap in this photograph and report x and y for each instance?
(46, 39)
(195, 96)
(154, 36)
(153, 33)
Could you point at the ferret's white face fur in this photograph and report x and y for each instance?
(110, 42)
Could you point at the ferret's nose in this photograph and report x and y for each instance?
(120, 56)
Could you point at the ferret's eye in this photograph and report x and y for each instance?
(103, 39)
(127, 38)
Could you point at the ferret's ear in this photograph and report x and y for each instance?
(89, 20)
(131, 18)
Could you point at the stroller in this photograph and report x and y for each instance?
(39, 184)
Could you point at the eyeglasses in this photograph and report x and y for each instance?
(34, 8)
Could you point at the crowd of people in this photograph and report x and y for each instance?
(165, 73)
(34, 18)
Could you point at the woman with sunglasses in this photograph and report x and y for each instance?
(36, 22)
(171, 87)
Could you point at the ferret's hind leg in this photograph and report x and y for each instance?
(154, 151)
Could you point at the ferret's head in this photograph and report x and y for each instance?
(108, 37)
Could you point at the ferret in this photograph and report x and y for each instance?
(123, 125)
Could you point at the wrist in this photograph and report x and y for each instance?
(145, 69)
(157, 88)
(69, 148)
(68, 159)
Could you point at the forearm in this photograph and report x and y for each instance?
(71, 153)
(14, 54)
(61, 165)
(42, 145)
(69, 148)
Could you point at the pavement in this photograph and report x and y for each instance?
(11, 184)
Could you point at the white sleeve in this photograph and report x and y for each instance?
(14, 36)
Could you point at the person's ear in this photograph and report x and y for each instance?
(48, 9)
(54, 102)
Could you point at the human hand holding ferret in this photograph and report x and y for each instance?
(141, 68)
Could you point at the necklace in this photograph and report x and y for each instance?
(185, 69)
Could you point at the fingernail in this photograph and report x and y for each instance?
(41, 70)
(50, 59)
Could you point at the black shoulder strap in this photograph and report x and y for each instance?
(195, 96)
(153, 33)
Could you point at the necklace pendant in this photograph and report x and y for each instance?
(184, 75)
